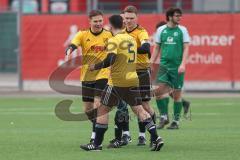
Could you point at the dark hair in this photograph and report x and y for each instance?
(94, 13)
(170, 12)
(116, 21)
(130, 9)
(159, 24)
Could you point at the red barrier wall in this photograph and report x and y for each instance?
(213, 51)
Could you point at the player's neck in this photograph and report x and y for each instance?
(116, 31)
(171, 24)
(129, 29)
(95, 31)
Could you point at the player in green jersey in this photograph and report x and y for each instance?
(172, 42)
(163, 106)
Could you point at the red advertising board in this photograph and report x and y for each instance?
(213, 49)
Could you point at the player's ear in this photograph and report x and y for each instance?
(90, 21)
(136, 17)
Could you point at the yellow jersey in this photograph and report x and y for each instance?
(140, 35)
(123, 71)
(93, 51)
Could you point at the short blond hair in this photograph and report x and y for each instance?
(130, 9)
(94, 13)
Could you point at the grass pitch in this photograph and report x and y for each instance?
(31, 131)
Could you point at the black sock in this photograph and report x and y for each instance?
(100, 130)
(125, 126)
(141, 126)
(122, 115)
(125, 122)
(154, 118)
(94, 125)
(118, 127)
(184, 101)
(92, 116)
(151, 127)
(118, 133)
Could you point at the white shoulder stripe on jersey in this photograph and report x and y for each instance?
(159, 32)
(186, 37)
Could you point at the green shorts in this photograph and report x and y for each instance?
(171, 77)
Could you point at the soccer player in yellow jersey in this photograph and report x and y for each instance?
(143, 64)
(122, 85)
(122, 115)
(93, 44)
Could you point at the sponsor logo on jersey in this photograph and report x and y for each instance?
(170, 40)
(96, 48)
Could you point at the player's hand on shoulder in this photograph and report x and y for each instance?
(92, 67)
(68, 52)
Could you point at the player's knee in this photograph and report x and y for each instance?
(144, 115)
(141, 113)
(92, 114)
(97, 102)
(177, 96)
(87, 106)
(157, 97)
(103, 109)
(161, 90)
(102, 118)
(147, 107)
(135, 109)
(166, 95)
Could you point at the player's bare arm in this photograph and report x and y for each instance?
(182, 66)
(156, 51)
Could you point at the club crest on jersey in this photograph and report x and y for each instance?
(165, 31)
(175, 34)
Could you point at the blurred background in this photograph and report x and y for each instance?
(35, 33)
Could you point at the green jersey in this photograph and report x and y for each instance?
(171, 41)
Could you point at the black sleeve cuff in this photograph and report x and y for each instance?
(108, 61)
(72, 47)
(144, 49)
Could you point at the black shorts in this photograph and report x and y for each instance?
(145, 84)
(91, 89)
(112, 96)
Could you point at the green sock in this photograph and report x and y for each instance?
(177, 107)
(162, 105)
